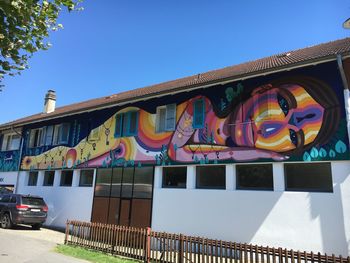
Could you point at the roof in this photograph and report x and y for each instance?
(314, 54)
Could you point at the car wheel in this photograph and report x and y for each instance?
(36, 226)
(6, 221)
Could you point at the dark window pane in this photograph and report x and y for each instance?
(211, 177)
(64, 133)
(32, 201)
(66, 178)
(86, 177)
(310, 177)
(5, 199)
(174, 177)
(143, 182)
(254, 177)
(127, 181)
(103, 182)
(33, 178)
(13, 199)
(116, 181)
(49, 177)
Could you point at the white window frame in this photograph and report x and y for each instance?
(7, 142)
(39, 142)
(57, 134)
(170, 118)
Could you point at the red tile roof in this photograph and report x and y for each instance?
(314, 54)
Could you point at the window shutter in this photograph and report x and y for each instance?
(5, 142)
(161, 113)
(118, 125)
(56, 134)
(198, 116)
(133, 123)
(170, 117)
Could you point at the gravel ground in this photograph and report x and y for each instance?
(42, 234)
(24, 245)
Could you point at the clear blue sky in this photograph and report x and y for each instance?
(113, 46)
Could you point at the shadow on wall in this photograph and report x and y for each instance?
(329, 210)
(220, 214)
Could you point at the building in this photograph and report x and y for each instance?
(257, 153)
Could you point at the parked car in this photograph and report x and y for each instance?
(22, 209)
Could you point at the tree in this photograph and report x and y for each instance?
(24, 29)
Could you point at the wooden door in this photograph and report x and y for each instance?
(124, 214)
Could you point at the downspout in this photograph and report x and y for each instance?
(20, 157)
(346, 92)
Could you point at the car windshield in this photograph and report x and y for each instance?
(32, 201)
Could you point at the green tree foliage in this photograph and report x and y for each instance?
(24, 29)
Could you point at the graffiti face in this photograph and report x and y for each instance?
(278, 119)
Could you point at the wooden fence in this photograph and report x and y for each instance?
(151, 246)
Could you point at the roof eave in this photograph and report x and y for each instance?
(199, 85)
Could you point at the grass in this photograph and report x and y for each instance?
(90, 255)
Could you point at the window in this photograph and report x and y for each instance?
(103, 182)
(48, 135)
(198, 113)
(66, 178)
(211, 177)
(127, 182)
(126, 124)
(308, 177)
(143, 179)
(5, 199)
(36, 138)
(166, 118)
(86, 177)
(49, 177)
(174, 177)
(11, 142)
(254, 177)
(61, 133)
(32, 178)
(116, 181)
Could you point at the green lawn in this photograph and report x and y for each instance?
(90, 255)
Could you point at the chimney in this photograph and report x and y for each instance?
(50, 101)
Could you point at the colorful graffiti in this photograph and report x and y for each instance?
(290, 119)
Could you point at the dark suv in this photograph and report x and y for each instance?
(22, 209)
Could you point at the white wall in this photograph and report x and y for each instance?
(318, 222)
(8, 178)
(73, 203)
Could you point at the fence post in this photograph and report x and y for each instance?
(148, 245)
(181, 249)
(66, 233)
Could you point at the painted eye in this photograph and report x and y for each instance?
(293, 137)
(283, 104)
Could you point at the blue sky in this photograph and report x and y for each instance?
(114, 45)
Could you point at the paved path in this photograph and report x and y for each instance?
(23, 244)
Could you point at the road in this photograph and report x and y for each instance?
(22, 244)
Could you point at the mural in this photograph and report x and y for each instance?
(294, 119)
(9, 161)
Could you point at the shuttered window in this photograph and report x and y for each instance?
(166, 118)
(126, 124)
